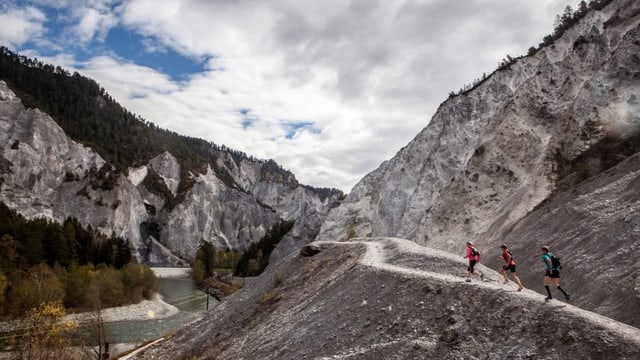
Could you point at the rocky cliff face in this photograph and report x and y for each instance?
(45, 174)
(488, 167)
(489, 156)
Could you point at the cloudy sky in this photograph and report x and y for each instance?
(328, 89)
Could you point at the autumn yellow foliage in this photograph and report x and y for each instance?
(45, 334)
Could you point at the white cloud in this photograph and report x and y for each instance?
(367, 74)
(18, 25)
(93, 23)
(125, 80)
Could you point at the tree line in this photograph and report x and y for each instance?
(568, 18)
(208, 261)
(45, 262)
(256, 258)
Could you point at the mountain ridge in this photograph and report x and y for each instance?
(498, 142)
(163, 206)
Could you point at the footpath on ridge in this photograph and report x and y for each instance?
(410, 259)
(382, 298)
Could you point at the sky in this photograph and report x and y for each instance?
(328, 89)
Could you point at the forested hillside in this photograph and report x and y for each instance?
(45, 262)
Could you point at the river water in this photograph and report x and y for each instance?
(177, 288)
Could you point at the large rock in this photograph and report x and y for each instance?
(310, 250)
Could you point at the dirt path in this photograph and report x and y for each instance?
(381, 252)
(386, 298)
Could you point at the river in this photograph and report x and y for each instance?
(177, 288)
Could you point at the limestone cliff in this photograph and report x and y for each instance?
(490, 155)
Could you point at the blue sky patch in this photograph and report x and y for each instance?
(124, 43)
(246, 123)
(130, 45)
(293, 127)
(247, 120)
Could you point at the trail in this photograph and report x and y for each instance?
(381, 250)
(384, 298)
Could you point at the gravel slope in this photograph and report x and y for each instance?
(385, 298)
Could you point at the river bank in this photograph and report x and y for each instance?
(155, 308)
(177, 302)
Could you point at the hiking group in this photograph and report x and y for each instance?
(551, 263)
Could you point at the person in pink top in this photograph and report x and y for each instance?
(474, 257)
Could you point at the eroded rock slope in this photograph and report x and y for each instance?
(492, 154)
(382, 298)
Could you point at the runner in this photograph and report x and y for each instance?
(551, 274)
(510, 265)
(474, 257)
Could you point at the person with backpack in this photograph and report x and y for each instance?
(474, 257)
(511, 266)
(552, 273)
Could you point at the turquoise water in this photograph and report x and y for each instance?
(178, 291)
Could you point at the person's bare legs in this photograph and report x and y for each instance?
(504, 275)
(516, 279)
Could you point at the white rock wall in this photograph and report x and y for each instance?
(486, 157)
